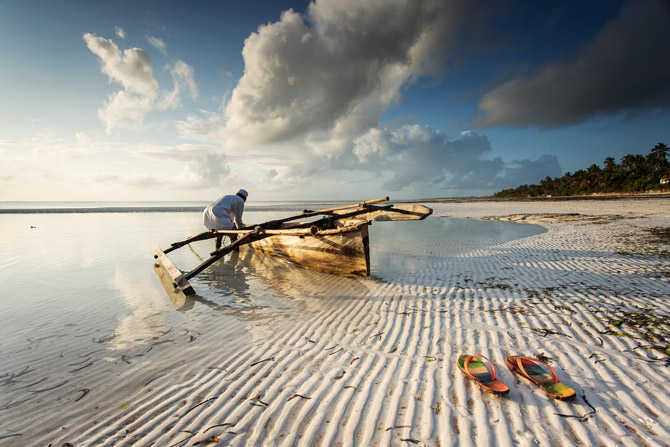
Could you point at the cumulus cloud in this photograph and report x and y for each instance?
(419, 161)
(316, 85)
(157, 43)
(327, 76)
(123, 109)
(120, 32)
(423, 158)
(625, 68)
(132, 68)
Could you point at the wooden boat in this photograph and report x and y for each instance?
(335, 243)
(343, 250)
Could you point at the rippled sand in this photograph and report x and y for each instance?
(330, 361)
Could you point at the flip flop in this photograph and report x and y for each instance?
(475, 369)
(540, 374)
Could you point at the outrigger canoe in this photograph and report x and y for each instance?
(337, 242)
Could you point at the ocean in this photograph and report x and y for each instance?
(84, 315)
(88, 265)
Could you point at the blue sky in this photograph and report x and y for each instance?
(333, 99)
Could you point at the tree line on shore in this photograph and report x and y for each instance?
(634, 173)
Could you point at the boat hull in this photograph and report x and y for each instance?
(342, 251)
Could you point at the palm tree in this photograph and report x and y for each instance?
(633, 173)
(628, 162)
(661, 151)
(658, 157)
(639, 164)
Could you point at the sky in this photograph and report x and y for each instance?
(322, 100)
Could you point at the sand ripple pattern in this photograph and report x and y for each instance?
(374, 365)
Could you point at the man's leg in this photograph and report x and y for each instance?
(233, 238)
(223, 224)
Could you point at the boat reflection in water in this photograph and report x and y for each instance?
(250, 287)
(245, 282)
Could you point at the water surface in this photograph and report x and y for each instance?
(90, 275)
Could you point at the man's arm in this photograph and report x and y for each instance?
(238, 209)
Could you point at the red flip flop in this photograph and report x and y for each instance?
(476, 369)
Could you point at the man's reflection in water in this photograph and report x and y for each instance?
(227, 279)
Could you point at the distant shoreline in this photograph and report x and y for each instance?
(613, 196)
(127, 209)
(298, 206)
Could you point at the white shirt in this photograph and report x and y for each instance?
(224, 214)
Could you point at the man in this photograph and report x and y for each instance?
(225, 214)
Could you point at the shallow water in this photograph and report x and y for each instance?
(89, 275)
(82, 310)
(401, 247)
(93, 351)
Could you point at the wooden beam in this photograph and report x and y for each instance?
(392, 212)
(175, 278)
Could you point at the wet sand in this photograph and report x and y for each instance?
(368, 362)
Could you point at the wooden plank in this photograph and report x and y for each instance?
(175, 278)
(355, 205)
(394, 212)
(296, 231)
(199, 237)
(308, 213)
(178, 299)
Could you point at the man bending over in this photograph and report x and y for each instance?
(225, 214)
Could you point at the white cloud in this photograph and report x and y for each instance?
(316, 85)
(182, 75)
(307, 109)
(124, 109)
(157, 43)
(328, 76)
(204, 170)
(372, 145)
(203, 166)
(132, 68)
(82, 138)
(204, 127)
(182, 78)
(86, 166)
(120, 32)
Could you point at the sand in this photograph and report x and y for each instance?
(365, 362)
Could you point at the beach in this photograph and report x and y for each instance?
(270, 355)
